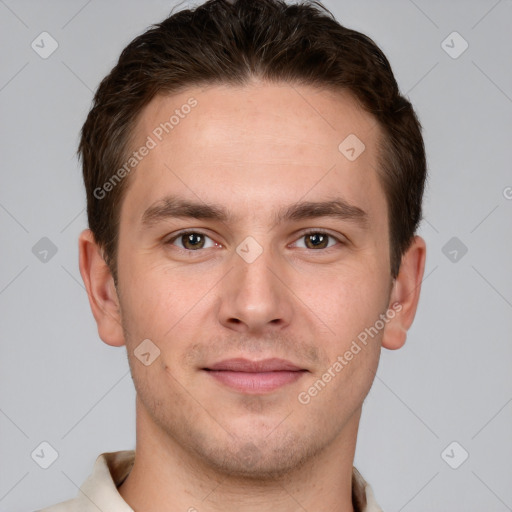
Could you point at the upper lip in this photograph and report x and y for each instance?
(246, 365)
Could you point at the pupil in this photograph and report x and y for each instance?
(193, 240)
(317, 240)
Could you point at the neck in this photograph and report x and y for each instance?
(167, 477)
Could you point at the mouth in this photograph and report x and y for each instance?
(255, 377)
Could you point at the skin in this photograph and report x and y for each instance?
(254, 151)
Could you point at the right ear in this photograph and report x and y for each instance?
(101, 290)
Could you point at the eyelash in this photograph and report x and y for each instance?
(324, 233)
(190, 232)
(177, 236)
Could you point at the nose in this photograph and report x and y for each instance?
(254, 298)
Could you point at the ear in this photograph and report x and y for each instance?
(101, 290)
(405, 294)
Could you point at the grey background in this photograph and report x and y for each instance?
(452, 380)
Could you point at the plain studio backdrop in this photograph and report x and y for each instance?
(436, 427)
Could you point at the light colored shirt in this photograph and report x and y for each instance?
(99, 491)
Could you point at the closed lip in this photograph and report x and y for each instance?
(246, 365)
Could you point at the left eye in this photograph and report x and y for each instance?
(316, 240)
(192, 241)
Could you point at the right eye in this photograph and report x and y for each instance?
(192, 241)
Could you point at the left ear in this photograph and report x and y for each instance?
(405, 294)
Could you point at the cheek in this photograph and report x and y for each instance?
(159, 302)
(347, 302)
(153, 308)
(148, 302)
(349, 308)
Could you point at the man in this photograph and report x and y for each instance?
(254, 184)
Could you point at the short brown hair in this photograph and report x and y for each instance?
(233, 42)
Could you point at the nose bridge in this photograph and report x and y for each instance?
(255, 281)
(253, 297)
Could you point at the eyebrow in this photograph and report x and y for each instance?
(336, 208)
(172, 207)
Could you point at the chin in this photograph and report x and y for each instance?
(258, 459)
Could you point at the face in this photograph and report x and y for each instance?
(253, 253)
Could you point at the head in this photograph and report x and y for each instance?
(227, 220)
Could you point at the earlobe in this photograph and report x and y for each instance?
(100, 289)
(405, 294)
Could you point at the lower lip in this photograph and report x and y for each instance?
(254, 383)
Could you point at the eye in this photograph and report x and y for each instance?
(192, 241)
(316, 240)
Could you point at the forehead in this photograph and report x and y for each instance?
(263, 143)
